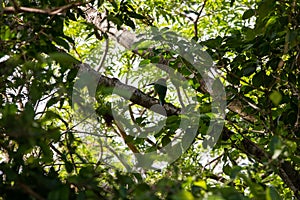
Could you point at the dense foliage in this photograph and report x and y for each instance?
(51, 149)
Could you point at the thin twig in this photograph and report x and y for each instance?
(179, 97)
(104, 55)
(197, 19)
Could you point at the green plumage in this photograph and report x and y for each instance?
(160, 88)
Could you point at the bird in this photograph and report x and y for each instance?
(160, 88)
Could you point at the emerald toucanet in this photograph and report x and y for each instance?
(160, 88)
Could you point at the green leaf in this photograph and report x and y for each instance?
(230, 193)
(265, 8)
(139, 120)
(165, 140)
(114, 4)
(155, 59)
(61, 42)
(144, 62)
(61, 193)
(232, 2)
(258, 79)
(136, 15)
(9, 109)
(295, 159)
(213, 43)
(232, 171)
(235, 171)
(201, 183)
(226, 169)
(276, 147)
(272, 194)
(129, 23)
(115, 19)
(64, 59)
(183, 195)
(250, 34)
(275, 97)
(271, 21)
(100, 2)
(69, 166)
(71, 15)
(143, 45)
(248, 14)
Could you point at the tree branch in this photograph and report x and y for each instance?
(128, 92)
(29, 191)
(197, 19)
(54, 11)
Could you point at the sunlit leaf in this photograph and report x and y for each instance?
(276, 97)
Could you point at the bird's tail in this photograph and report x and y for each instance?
(162, 102)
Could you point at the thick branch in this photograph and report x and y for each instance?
(128, 92)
